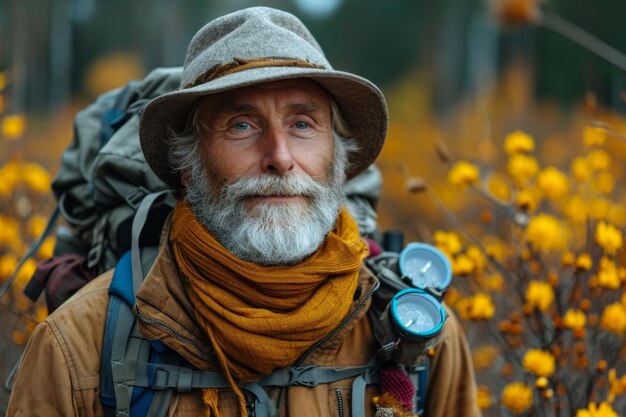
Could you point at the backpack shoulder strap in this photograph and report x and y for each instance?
(419, 377)
(123, 348)
(123, 345)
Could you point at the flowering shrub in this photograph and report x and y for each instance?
(25, 198)
(544, 276)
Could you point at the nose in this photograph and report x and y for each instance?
(277, 157)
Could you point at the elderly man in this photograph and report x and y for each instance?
(260, 267)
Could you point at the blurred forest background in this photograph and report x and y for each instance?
(459, 75)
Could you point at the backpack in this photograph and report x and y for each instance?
(115, 207)
(100, 185)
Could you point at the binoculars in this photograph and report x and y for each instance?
(412, 321)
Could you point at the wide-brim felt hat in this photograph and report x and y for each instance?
(252, 46)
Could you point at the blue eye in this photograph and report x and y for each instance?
(241, 126)
(301, 125)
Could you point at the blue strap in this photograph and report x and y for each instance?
(422, 388)
(107, 394)
(369, 376)
(122, 283)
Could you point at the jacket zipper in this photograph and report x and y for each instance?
(339, 401)
(167, 329)
(323, 340)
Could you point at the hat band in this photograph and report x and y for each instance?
(243, 64)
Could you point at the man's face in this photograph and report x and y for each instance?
(280, 128)
(269, 189)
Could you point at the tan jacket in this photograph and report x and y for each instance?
(59, 374)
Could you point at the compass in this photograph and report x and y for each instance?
(417, 314)
(425, 266)
(411, 324)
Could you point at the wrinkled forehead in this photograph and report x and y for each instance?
(292, 91)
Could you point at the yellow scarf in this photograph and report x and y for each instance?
(260, 318)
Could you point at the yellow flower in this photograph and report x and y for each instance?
(463, 174)
(3, 80)
(46, 250)
(617, 386)
(574, 319)
(452, 296)
(604, 410)
(608, 237)
(599, 160)
(19, 337)
(546, 233)
(6, 188)
(13, 126)
(568, 258)
(539, 362)
(10, 174)
(448, 242)
(499, 187)
(9, 231)
(541, 382)
(594, 136)
(483, 397)
(493, 282)
(617, 215)
(464, 308)
(481, 307)
(36, 225)
(580, 169)
(599, 208)
(484, 356)
(36, 178)
(604, 183)
(518, 142)
(26, 272)
(8, 263)
(614, 318)
(553, 183)
(522, 169)
(11, 171)
(608, 274)
(539, 295)
(495, 248)
(517, 397)
(584, 262)
(462, 265)
(477, 307)
(527, 200)
(3, 104)
(477, 257)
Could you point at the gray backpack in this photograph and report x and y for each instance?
(104, 175)
(103, 186)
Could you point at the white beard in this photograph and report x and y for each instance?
(267, 233)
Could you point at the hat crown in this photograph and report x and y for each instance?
(237, 35)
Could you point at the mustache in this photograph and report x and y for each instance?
(272, 185)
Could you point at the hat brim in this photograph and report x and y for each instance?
(360, 102)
